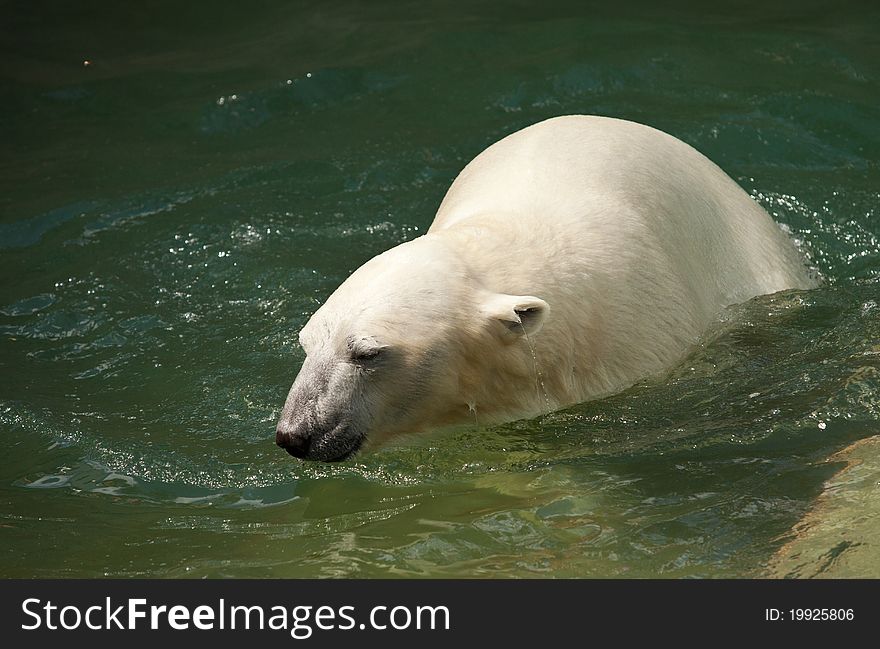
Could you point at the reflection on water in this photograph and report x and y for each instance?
(172, 215)
(839, 536)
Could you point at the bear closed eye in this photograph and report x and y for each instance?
(566, 262)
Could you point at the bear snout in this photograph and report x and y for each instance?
(324, 444)
(296, 443)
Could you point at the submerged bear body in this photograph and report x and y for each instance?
(567, 261)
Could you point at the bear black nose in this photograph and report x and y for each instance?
(297, 444)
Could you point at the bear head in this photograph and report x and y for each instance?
(405, 344)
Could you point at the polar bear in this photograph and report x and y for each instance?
(566, 262)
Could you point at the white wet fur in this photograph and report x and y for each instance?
(567, 261)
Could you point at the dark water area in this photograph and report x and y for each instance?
(184, 183)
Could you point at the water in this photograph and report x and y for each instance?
(173, 212)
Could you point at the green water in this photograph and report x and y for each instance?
(173, 212)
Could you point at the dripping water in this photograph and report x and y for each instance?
(472, 406)
(540, 387)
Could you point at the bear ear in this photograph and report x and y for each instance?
(519, 314)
